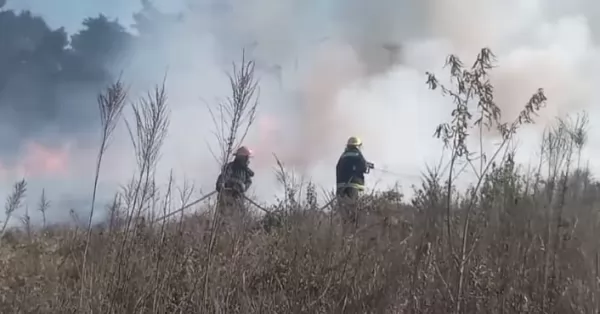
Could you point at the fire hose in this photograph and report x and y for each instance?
(213, 193)
(185, 206)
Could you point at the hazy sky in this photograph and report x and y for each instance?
(346, 85)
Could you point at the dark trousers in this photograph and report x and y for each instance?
(231, 202)
(350, 193)
(347, 206)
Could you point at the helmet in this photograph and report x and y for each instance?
(354, 141)
(243, 152)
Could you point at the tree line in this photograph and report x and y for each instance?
(50, 79)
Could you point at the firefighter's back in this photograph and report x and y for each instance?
(350, 168)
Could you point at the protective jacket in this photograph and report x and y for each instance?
(351, 169)
(235, 176)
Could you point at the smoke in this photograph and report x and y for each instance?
(334, 69)
(534, 51)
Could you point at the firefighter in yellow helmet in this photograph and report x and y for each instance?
(351, 169)
(234, 180)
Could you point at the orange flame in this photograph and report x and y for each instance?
(269, 128)
(41, 160)
(38, 160)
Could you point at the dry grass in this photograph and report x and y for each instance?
(515, 242)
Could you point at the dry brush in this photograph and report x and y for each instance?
(517, 241)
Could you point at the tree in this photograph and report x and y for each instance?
(100, 44)
(43, 81)
(29, 44)
(31, 56)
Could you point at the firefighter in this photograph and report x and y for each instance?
(350, 174)
(234, 180)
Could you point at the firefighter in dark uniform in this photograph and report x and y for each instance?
(233, 182)
(350, 175)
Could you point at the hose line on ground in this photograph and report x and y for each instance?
(185, 207)
(214, 192)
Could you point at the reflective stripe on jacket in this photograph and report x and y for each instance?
(357, 186)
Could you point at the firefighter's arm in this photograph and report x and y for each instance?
(219, 183)
(249, 178)
(367, 166)
(362, 164)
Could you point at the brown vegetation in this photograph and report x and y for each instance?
(515, 242)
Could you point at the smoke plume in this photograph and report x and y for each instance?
(334, 69)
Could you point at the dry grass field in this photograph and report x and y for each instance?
(517, 241)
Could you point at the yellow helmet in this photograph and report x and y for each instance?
(354, 141)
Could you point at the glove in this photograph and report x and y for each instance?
(370, 166)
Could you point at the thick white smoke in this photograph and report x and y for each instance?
(338, 79)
